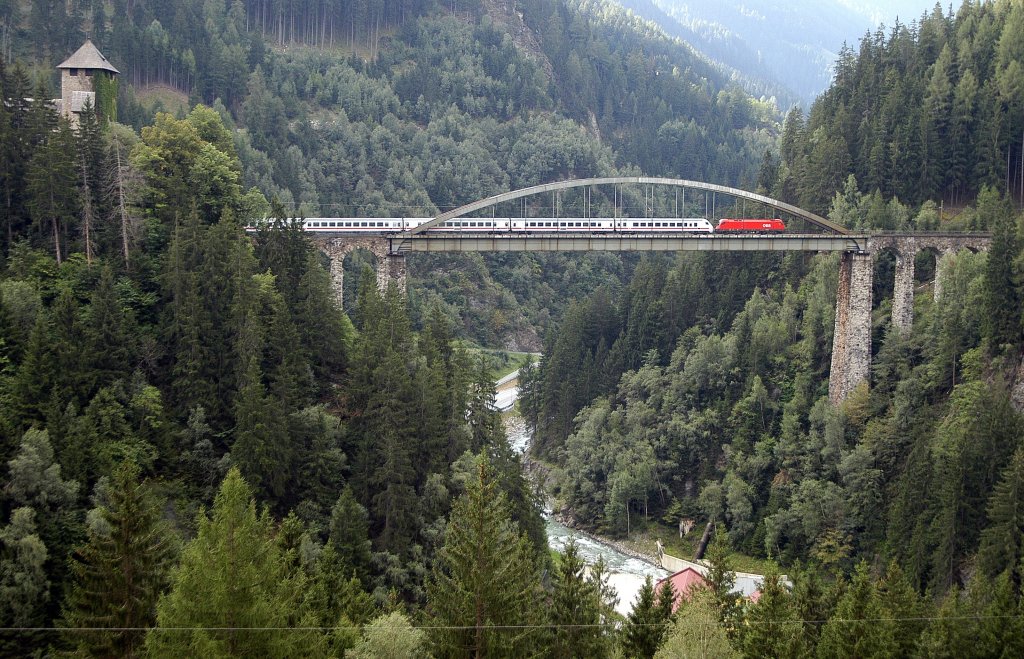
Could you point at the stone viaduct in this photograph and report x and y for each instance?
(851, 343)
(390, 267)
(851, 347)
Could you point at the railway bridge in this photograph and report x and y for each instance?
(851, 346)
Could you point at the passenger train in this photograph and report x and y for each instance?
(546, 224)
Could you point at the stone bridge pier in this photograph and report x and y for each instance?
(390, 267)
(851, 343)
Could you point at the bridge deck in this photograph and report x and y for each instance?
(623, 242)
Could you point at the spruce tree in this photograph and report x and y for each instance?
(770, 625)
(905, 607)
(120, 572)
(349, 534)
(859, 627)
(646, 625)
(261, 448)
(231, 595)
(52, 186)
(946, 635)
(1002, 541)
(697, 632)
(721, 580)
(483, 596)
(1002, 317)
(576, 610)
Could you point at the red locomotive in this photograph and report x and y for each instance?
(750, 225)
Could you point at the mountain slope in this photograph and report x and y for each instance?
(781, 49)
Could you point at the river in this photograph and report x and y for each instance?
(626, 573)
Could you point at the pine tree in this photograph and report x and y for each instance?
(120, 572)
(483, 596)
(230, 595)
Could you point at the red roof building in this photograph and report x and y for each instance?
(686, 580)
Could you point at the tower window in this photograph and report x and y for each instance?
(73, 72)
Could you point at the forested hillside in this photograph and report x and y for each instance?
(410, 108)
(702, 392)
(199, 438)
(930, 113)
(196, 436)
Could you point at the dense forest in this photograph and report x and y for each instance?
(700, 391)
(460, 102)
(205, 453)
(931, 111)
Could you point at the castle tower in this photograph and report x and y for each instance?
(77, 77)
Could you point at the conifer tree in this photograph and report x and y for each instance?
(859, 627)
(946, 635)
(335, 595)
(1001, 625)
(647, 624)
(349, 534)
(905, 607)
(769, 625)
(389, 637)
(52, 186)
(110, 334)
(1002, 541)
(576, 610)
(260, 449)
(721, 579)
(1002, 318)
(120, 572)
(231, 595)
(697, 632)
(483, 596)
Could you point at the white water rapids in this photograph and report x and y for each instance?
(626, 573)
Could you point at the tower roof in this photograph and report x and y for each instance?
(88, 57)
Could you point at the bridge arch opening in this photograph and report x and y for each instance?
(354, 264)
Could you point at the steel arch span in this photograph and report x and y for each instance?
(816, 220)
